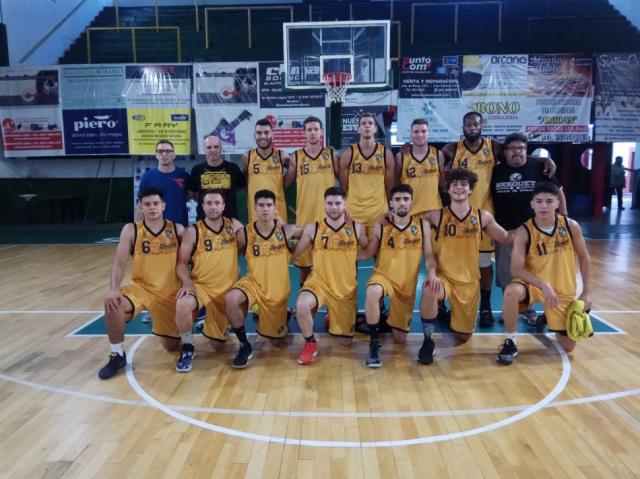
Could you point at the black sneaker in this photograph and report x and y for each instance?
(508, 352)
(361, 325)
(111, 368)
(373, 360)
(185, 361)
(425, 355)
(444, 315)
(541, 323)
(245, 353)
(486, 318)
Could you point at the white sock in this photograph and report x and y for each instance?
(118, 348)
(512, 337)
(187, 338)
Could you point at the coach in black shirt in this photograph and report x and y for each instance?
(217, 173)
(512, 186)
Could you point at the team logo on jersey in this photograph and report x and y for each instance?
(279, 235)
(348, 231)
(378, 157)
(473, 220)
(414, 230)
(325, 156)
(274, 159)
(229, 230)
(432, 161)
(562, 231)
(485, 151)
(515, 177)
(168, 234)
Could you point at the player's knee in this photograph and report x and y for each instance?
(170, 344)
(399, 337)
(513, 293)
(184, 306)
(567, 344)
(463, 337)
(233, 299)
(374, 293)
(217, 345)
(345, 341)
(277, 342)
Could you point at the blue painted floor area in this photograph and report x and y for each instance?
(365, 268)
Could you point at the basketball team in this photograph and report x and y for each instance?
(385, 207)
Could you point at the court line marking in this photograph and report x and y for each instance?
(531, 409)
(84, 325)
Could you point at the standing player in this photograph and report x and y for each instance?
(543, 264)
(459, 229)
(333, 282)
(421, 166)
(267, 282)
(212, 244)
(315, 168)
(267, 168)
(367, 172)
(153, 243)
(402, 241)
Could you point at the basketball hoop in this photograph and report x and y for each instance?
(337, 84)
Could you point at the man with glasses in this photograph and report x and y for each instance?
(171, 180)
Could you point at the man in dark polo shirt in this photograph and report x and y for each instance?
(512, 185)
(216, 173)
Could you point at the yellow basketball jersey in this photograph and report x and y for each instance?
(423, 176)
(456, 245)
(550, 256)
(313, 176)
(265, 174)
(334, 258)
(215, 257)
(367, 198)
(268, 262)
(154, 258)
(400, 254)
(481, 163)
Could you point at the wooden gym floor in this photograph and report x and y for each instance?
(548, 415)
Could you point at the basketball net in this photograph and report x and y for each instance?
(336, 84)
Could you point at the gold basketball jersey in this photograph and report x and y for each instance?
(481, 163)
(268, 262)
(550, 256)
(423, 176)
(215, 257)
(334, 258)
(367, 198)
(154, 258)
(313, 176)
(400, 254)
(265, 174)
(456, 245)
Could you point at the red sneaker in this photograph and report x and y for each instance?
(309, 352)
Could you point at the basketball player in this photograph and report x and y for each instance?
(459, 229)
(402, 241)
(153, 243)
(267, 282)
(543, 265)
(212, 244)
(316, 166)
(336, 246)
(479, 154)
(267, 168)
(367, 172)
(421, 166)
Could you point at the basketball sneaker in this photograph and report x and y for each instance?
(508, 352)
(486, 318)
(185, 361)
(425, 354)
(373, 360)
(530, 317)
(245, 353)
(115, 363)
(309, 352)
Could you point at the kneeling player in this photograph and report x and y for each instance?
(153, 243)
(459, 229)
(402, 242)
(544, 270)
(212, 245)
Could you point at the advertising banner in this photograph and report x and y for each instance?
(617, 97)
(158, 99)
(93, 110)
(30, 111)
(274, 95)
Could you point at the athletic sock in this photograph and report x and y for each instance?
(187, 338)
(118, 348)
(512, 337)
(485, 300)
(374, 332)
(428, 326)
(241, 334)
(310, 339)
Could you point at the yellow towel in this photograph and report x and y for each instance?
(578, 322)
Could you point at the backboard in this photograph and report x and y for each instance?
(312, 49)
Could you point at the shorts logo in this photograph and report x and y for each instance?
(348, 231)
(485, 151)
(414, 230)
(168, 234)
(562, 231)
(473, 220)
(229, 230)
(279, 235)
(378, 157)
